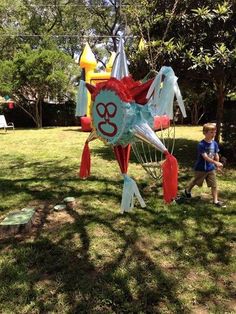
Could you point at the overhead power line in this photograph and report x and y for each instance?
(66, 35)
(84, 5)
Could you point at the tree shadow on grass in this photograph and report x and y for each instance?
(87, 288)
(185, 151)
(66, 273)
(126, 278)
(51, 181)
(75, 129)
(55, 192)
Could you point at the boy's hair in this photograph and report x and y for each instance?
(208, 127)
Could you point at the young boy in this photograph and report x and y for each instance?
(207, 162)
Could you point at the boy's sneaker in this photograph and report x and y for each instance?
(187, 194)
(220, 204)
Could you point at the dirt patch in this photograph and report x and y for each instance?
(55, 220)
(199, 310)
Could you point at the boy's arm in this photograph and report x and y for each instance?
(217, 157)
(215, 162)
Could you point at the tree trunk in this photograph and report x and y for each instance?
(220, 108)
(38, 113)
(194, 114)
(34, 111)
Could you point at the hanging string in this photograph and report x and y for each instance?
(151, 59)
(170, 20)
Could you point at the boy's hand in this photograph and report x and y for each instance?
(218, 164)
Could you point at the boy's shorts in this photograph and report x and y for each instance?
(209, 176)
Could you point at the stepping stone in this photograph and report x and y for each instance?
(70, 202)
(18, 221)
(59, 207)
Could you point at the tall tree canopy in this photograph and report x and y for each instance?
(198, 38)
(33, 76)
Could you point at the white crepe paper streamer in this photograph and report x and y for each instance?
(130, 190)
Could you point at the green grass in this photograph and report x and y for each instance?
(162, 259)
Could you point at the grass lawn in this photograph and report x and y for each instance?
(161, 259)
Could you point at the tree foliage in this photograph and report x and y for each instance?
(107, 20)
(35, 75)
(198, 38)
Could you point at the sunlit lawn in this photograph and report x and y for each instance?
(162, 259)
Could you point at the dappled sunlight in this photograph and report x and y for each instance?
(91, 259)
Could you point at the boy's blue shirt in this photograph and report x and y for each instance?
(210, 149)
